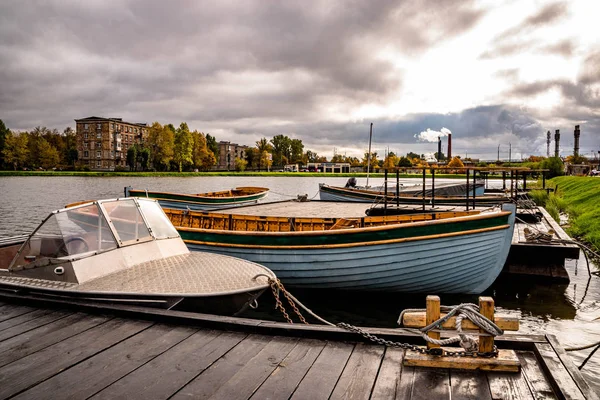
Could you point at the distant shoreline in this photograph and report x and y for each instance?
(391, 176)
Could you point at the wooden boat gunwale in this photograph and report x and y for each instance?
(210, 198)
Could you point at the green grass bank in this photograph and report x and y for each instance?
(579, 197)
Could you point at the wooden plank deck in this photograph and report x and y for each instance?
(156, 354)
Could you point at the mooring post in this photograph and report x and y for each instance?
(432, 188)
(385, 178)
(524, 180)
(467, 170)
(397, 188)
(474, 186)
(423, 192)
(486, 308)
(503, 180)
(543, 179)
(432, 313)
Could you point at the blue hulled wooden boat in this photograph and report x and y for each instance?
(444, 252)
(240, 196)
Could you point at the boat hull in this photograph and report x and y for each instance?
(205, 201)
(439, 258)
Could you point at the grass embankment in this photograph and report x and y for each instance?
(391, 176)
(579, 197)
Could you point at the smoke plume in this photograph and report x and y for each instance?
(431, 135)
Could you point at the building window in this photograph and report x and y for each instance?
(85, 126)
(113, 126)
(98, 126)
(98, 154)
(98, 164)
(85, 145)
(99, 135)
(86, 154)
(85, 135)
(98, 145)
(112, 154)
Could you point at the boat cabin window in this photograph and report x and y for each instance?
(127, 220)
(69, 233)
(159, 223)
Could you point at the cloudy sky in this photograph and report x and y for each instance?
(492, 72)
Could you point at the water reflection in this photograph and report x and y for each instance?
(569, 311)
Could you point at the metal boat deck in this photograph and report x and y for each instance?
(197, 274)
(84, 351)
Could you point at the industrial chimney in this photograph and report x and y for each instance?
(556, 142)
(449, 146)
(577, 134)
(439, 154)
(548, 139)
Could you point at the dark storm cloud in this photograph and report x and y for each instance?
(192, 59)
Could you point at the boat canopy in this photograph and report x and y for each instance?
(92, 228)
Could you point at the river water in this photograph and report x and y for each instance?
(569, 311)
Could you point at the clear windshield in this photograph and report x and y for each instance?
(159, 223)
(69, 233)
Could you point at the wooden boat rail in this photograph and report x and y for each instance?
(237, 222)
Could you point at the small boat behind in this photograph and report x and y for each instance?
(125, 251)
(240, 196)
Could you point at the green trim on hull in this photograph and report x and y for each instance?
(200, 199)
(347, 236)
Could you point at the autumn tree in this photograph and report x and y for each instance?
(15, 150)
(202, 157)
(282, 149)
(48, 157)
(404, 162)
(211, 143)
(183, 146)
(161, 141)
(297, 149)
(263, 146)
(240, 164)
(374, 161)
(391, 161)
(456, 162)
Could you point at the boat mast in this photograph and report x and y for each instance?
(369, 154)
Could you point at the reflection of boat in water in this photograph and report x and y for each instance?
(437, 252)
(124, 251)
(240, 196)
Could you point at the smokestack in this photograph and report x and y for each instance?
(548, 139)
(439, 148)
(449, 146)
(577, 134)
(556, 142)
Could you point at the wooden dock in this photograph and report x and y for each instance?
(83, 351)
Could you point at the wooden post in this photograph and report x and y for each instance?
(397, 188)
(423, 193)
(486, 308)
(467, 171)
(432, 314)
(432, 188)
(385, 197)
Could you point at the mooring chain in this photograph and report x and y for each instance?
(470, 311)
(276, 288)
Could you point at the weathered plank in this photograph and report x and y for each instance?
(506, 361)
(39, 366)
(220, 372)
(430, 384)
(42, 319)
(36, 339)
(248, 378)
(469, 385)
(390, 373)
(573, 371)
(534, 376)
(324, 373)
(99, 371)
(23, 318)
(508, 386)
(10, 311)
(560, 378)
(359, 375)
(285, 378)
(167, 373)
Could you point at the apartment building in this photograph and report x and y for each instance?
(228, 152)
(102, 143)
